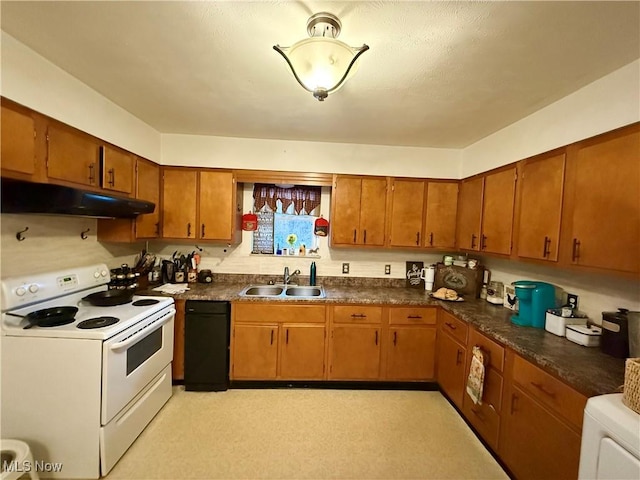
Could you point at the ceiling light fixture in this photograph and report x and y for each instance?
(321, 63)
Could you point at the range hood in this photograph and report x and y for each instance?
(19, 196)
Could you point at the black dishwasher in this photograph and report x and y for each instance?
(206, 345)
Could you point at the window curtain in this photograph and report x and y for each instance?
(302, 197)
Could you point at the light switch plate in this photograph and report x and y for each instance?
(345, 268)
(387, 269)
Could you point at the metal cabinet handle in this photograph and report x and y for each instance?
(354, 235)
(157, 228)
(544, 390)
(514, 399)
(431, 239)
(376, 337)
(91, 175)
(202, 231)
(478, 414)
(545, 248)
(473, 241)
(272, 336)
(417, 238)
(112, 177)
(286, 336)
(364, 237)
(458, 355)
(575, 252)
(483, 242)
(395, 338)
(189, 229)
(450, 325)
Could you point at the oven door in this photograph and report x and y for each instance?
(133, 358)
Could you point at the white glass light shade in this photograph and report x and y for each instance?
(321, 64)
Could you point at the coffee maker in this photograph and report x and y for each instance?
(534, 299)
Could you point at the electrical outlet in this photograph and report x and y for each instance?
(572, 300)
(387, 269)
(345, 268)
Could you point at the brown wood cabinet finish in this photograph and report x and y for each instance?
(274, 312)
(604, 217)
(485, 417)
(413, 316)
(302, 352)
(406, 216)
(148, 188)
(358, 210)
(255, 352)
(72, 156)
(452, 358)
(357, 314)
(18, 146)
(355, 352)
(177, 367)
(540, 209)
(497, 211)
(118, 170)
(411, 353)
(441, 214)
(217, 205)
(469, 219)
(179, 202)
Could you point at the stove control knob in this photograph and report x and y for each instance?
(104, 273)
(20, 291)
(33, 288)
(96, 274)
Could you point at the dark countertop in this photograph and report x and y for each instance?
(586, 369)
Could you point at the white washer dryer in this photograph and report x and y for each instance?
(610, 448)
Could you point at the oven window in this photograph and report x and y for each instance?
(144, 349)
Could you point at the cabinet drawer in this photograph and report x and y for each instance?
(550, 391)
(412, 316)
(357, 314)
(455, 327)
(259, 312)
(495, 350)
(484, 419)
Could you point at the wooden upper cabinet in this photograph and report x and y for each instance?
(217, 207)
(440, 215)
(179, 201)
(117, 169)
(148, 188)
(497, 211)
(469, 213)
(541, 187)
(604, 223)
(358, 210)
(72, 156)
(406, 216)
(18, 146)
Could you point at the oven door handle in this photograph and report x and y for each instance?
(152, 327)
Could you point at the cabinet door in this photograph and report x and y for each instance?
(255, 351)
(485, 417)
(302, 352)
(177, 366)
(72, 156)
(117, 170)
(497, 211)
(542, 187)
(373, 207)
(469, 213)
(605, 225)
(355, 352)
(18, 146)
(407, 204)
(440, 216)
(411, 353)
(345, 214)
(536, 444)
(451, 367)
(179, 203)
(148, 188)
(217, 202)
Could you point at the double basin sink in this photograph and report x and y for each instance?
(283, 291)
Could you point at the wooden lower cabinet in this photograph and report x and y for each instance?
(177, 367)
(485, 417)
(451, 367)
(411, 353)
(536, 444)
(302, 351)
(255, 351)
(355, 352)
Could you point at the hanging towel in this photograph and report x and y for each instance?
(475, 382)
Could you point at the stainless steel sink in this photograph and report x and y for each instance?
(304, 291)
(283, 291)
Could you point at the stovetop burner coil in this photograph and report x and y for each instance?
(98, 322)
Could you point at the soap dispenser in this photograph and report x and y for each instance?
(312, 274)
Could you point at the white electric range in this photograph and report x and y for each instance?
(81, 396)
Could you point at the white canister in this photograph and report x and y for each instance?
(428, 274)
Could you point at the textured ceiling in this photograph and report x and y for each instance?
(439, 74)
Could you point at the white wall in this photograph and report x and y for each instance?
(606, 104)
(297, 156)
(33, 81)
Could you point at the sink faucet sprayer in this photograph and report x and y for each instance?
(287, 278)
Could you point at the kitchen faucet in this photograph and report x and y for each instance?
(287, 278)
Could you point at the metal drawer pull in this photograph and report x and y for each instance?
(358, 315)
(450, 325)
(414, 317)
(543, 390)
